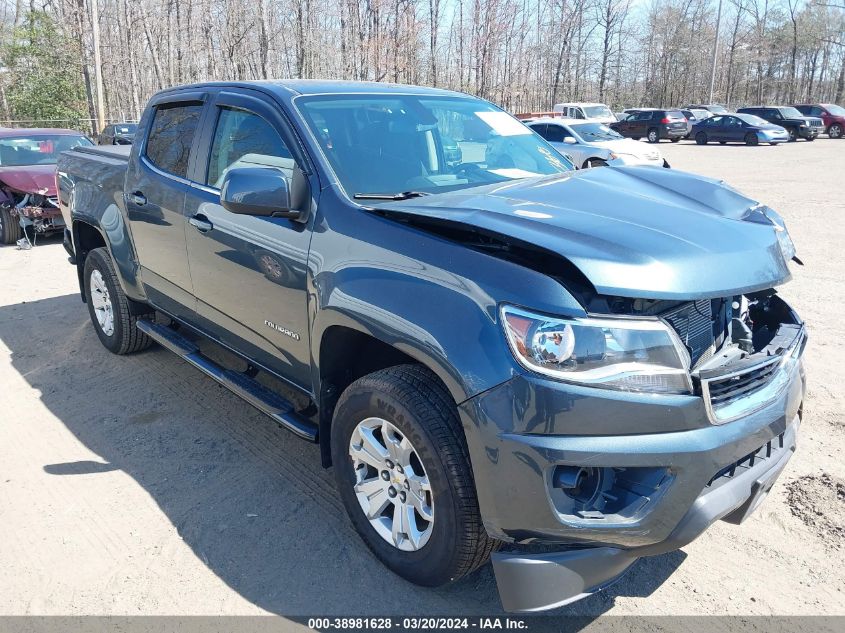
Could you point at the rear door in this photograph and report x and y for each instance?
(155, 188)
(249, 272)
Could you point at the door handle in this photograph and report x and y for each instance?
(138, 198)
(201, 223)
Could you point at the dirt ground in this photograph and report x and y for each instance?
(135, 485)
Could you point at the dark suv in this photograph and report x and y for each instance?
(832, 116)
(653, 124)
(795, 123)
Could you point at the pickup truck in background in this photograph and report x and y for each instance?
(493, 351)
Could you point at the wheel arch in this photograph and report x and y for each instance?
(345, 351)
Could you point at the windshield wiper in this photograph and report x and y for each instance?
(404, 195)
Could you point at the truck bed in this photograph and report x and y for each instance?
(97, 175)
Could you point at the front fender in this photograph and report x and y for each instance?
(434, 299)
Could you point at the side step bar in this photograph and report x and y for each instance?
(259, 396)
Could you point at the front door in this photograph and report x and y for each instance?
(249, 272)
(155, 189)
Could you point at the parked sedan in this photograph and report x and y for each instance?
(653, 124)
(738, 128)
(594, 144)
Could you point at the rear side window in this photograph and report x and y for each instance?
(244, 139)
(171, 135)
(554, 134)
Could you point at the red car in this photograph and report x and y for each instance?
(28, 180)
(831, 114)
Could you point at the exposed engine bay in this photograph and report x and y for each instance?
(36, 213)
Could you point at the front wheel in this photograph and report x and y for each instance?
(10, 227)
(701, 138)
(751, 139)
(404, 475)
(653, 136)
(835, 131)
(793, 135)
(109, 307)
(675, 140)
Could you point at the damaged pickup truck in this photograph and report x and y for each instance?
(494, 352)
(28, 181)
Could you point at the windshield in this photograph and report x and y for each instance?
(595, 132)
(835, 110)
(717, 109)
(791, 113)
(37, 150)
(752, 119)
(126, 128)
(598, 112)
(392, 144)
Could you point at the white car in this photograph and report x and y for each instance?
(593, 144)
(594, 111)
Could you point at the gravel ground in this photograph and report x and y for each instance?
(135, 485)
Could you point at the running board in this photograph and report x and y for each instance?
(259, 396)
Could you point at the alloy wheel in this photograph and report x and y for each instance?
(835, 131)
(392, 486)
(101, 301)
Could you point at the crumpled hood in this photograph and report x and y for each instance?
(641, 232)
(31, 178)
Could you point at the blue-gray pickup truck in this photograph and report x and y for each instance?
(494, 351)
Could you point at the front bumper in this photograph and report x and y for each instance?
(773, 137)
(665, 482)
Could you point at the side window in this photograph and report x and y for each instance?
(540, 128)
(714, 120)
(171, 135)
(816, 111)
(244, 139)
(555, 134)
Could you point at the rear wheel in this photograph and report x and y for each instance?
(10, 227)
(751, 139)
(404, 476)
(835, 131)
(109, 307)
(701, 138)
(653, 136)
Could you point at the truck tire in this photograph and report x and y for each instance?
(793, 134)
(399, 451)
(109, 307)
(10, 227)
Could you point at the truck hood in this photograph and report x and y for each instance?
(31, 179)
(643, 232)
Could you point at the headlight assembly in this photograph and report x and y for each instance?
(642, 355)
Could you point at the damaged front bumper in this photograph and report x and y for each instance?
(39, 212)
(608, 477)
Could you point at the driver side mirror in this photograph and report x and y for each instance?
(264, 191)
(569, 140)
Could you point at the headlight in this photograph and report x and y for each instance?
(614, 353)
